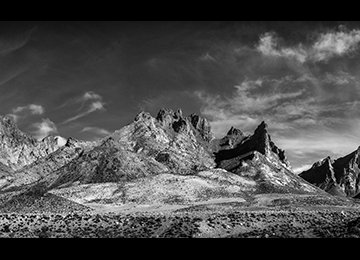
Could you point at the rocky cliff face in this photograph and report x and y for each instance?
(167, 143)
(256, 157)
(18, 149)
(260, 141)
(341, 176)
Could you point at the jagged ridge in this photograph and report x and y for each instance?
(341, 176)
(169, 143)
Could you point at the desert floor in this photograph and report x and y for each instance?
(218, 218)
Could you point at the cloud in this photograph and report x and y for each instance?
(92, 101)
(95, 130)
(8, 45)
(245, 107)
(268, 45)
(340, 78)
(90, 95)
(326, 46)
(44, 128)
(306, 123)
(32, 108)
(333, 44)
(319, 141)
(244, 100)
(95, 106)
(22, 111)
(207, 57)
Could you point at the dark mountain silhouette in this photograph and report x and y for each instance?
(341, 176)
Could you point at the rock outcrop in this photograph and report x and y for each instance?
(18, 149)
(256, 157)
(168, 143)
(339, 177)
(260, 141)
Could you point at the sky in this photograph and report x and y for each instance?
(87, 79)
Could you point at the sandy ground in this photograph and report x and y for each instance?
(135, 208)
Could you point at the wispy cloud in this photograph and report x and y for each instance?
(90, 95)
(92, 101)
(268, 45)
(336, 43)
(326, 46)
(32, 108)
(23, 111)
(8, 45)
(340, 78)
(244, 107)
(207, 57)
(44, 128)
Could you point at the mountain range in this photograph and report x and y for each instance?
(170, 158)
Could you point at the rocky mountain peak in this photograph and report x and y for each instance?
(343, 173)
(10, 131)
(260, 141)
(326, 161)
(61, 141)
(261, 132)
(265, 145)
(202, 126)
(143, 116)
(18, 149)
(262, 127)
(176, 121)
(234, 131)
(172, 119)
(322, 175)
(71, 142)
(7, 120)
(167, 116)
(178, 114)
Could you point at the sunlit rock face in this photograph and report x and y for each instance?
(18, 149)
(167, 143)
(340, 176)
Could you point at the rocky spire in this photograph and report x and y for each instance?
(234, 131)
(260, 141)
(18, 149)
(344, 173)
(9, 130)
(202, 126)
(321, 174)
(143, 116)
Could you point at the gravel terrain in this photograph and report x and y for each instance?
(200, 221)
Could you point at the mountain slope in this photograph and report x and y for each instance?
(147, 146)
(341, 176)
(261, 142)
(18, 149)
(159, 159)
(257, 157)
(45, 166)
